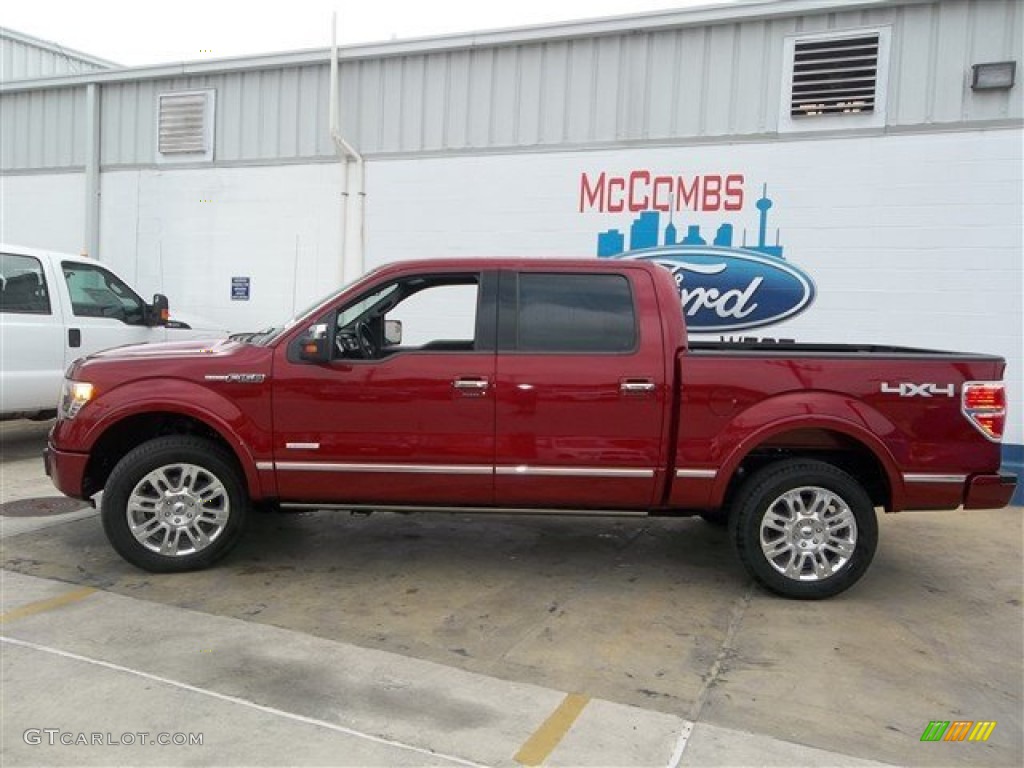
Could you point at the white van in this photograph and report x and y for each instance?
(54, 308)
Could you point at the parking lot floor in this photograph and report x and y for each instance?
(326, 639)
(89, 661)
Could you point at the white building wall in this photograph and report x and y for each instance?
(911, 240)
(187, 233)
(43, 210)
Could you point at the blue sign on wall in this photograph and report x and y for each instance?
(240, 288)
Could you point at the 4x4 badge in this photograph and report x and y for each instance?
(910, 389)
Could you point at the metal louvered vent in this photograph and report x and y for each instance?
(183, 123)
(834, 76)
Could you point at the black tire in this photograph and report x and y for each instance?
(827, 552)
(220, 518)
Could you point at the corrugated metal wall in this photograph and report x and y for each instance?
(20, 60)
(687, 84)
(42, 129)
(262, 115)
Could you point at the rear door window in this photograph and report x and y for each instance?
(575, 313)
(23, 286)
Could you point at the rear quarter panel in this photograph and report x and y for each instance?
(733, 403)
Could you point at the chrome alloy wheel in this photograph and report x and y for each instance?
(178, 510)
(808, 534)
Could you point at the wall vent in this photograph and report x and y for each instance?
(835, 80)
(837, 76)
(185, 126)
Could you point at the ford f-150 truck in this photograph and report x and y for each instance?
(538, 386)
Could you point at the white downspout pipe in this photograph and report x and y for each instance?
(91, 236)
(352, 194)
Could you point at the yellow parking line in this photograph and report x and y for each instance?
(544, 740)
(41, 606)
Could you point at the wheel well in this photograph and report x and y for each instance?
(835, 448)
(132, 432)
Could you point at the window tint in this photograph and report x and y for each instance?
(575, 313)
(23, 285)
(95, 292)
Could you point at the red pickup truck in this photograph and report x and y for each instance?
(535, 386)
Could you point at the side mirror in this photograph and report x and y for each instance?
(158, 312)
(392, 333)
(313, 345)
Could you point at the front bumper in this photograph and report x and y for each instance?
(67, 470)
(989, 491)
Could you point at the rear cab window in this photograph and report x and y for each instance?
(23, 288)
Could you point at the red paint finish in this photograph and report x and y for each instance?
(401, 411)
(569, 413)
(989, 491)
(548, 430)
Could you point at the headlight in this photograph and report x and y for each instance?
(73, 396)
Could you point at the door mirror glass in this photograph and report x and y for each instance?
(159, 311)
(313, 344)
(392, 333)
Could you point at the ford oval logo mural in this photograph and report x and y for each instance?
(729, 289)
(723, 286)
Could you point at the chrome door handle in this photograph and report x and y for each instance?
(636, 386)
(477, 386)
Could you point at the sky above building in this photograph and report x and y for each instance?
(134, 33)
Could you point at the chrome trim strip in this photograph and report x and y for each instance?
(463, 469)
(302, 446)
(261, 465)
(523, 470)
(911, 477)
(474, 510)
(705, 474)
(424, 469)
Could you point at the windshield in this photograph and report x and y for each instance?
(269, 335)
(357, 310)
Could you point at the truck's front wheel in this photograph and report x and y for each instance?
(174, 504)
(804, 529)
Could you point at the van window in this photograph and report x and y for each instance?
(23, 285)
(95, 292)
(575, 313)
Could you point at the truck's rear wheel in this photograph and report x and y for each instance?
(174, 504)
(804, 529)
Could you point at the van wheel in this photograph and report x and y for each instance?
(174, 504)
(804, 529)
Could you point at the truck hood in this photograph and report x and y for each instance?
(196, 348)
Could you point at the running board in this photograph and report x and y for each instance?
(471, 510)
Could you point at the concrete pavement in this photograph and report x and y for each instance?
(439, 640)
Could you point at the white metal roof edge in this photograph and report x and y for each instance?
(741, 10)
(57, 48)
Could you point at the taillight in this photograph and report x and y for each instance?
(984, 405)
